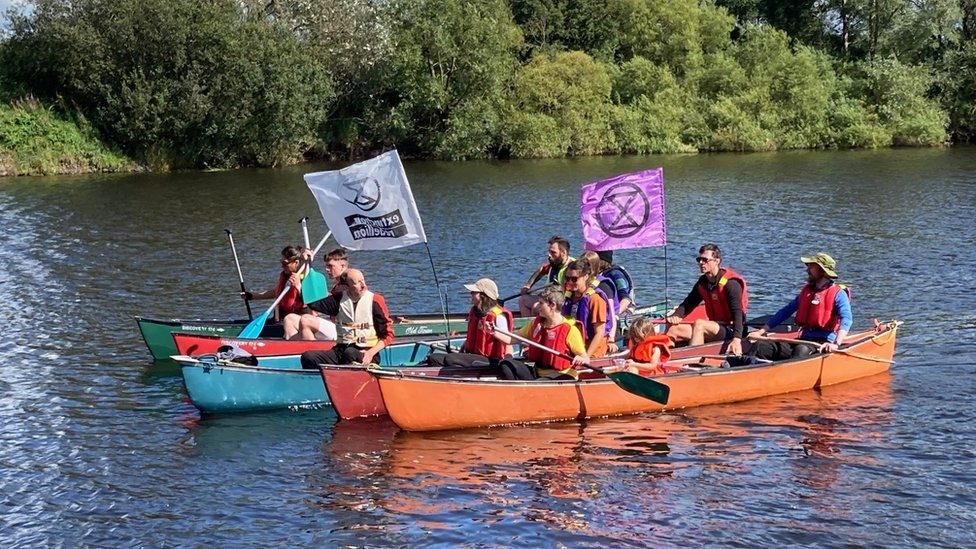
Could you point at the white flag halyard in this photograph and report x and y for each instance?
(369, 205)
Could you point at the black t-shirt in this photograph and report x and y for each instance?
(733, 290)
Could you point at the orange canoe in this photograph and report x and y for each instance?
(421, 403)
(355, 393)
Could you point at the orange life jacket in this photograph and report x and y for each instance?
(478, 340)
(815, 308)
(554, 338)
(717, 302)
(643, 351)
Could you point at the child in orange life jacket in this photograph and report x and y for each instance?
(649, 351)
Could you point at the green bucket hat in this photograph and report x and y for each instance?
(826, 263)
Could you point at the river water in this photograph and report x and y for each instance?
(98, 445)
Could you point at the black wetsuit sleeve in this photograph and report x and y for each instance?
(733, 290)
(693, 299)
(328, 305)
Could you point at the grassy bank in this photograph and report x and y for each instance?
(34, 140)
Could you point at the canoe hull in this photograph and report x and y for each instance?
(458, 404)
(215, 389)
(355, 393)
(198, 344)
(276, 382)
(158, 333)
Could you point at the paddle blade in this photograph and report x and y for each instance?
(314, 286)
(253, 329)
(641, 386)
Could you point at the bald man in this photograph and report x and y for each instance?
(362, 321)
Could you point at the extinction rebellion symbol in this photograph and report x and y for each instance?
(363, 193)
(623, 210)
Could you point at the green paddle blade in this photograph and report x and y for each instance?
(641, 386)
(314, 286)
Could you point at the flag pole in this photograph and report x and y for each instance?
(440, 294)
(667, 300)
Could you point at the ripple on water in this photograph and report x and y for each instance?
(98, 446)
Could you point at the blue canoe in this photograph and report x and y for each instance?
(276, 382)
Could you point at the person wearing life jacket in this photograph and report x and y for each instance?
(726, 299)
(822, 309)
(588, 305)
(614, 280)
(649, 351)
(481, 344)
(291, 304)
(362, 321)
(312, 326)
(552, 329)
(554, 267)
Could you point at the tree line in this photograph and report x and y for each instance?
(224, 83)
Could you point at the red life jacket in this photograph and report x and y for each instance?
(478, 340)
(644, 350)
(717, 303)
(292, 302)
(815, 308)
(554, 338)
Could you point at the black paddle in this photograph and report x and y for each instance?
(513, 296)
(632, 383)
(240, 275)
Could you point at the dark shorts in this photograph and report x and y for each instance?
(340, 354)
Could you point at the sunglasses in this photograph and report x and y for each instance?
(571, 278)
(703, 259)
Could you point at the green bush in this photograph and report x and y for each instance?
(574, 91)
(252, 82)
(897, 93)
(451, 62)
(192, 83)
(853, 126)
(957, 81)
(34, 140)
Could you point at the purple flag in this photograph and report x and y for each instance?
(623, 212)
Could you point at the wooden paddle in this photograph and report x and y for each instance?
(838, 350)
(632, 383)
(253, 329)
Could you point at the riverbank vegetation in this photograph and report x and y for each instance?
(223, 83)
(35, 140)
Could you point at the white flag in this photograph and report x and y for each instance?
(369, 206)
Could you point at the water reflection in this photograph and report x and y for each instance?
(99, 446)
(568, 476)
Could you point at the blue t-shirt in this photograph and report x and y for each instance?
(842, 307)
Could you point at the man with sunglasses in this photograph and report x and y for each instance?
(726, 301)
(291, 304)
